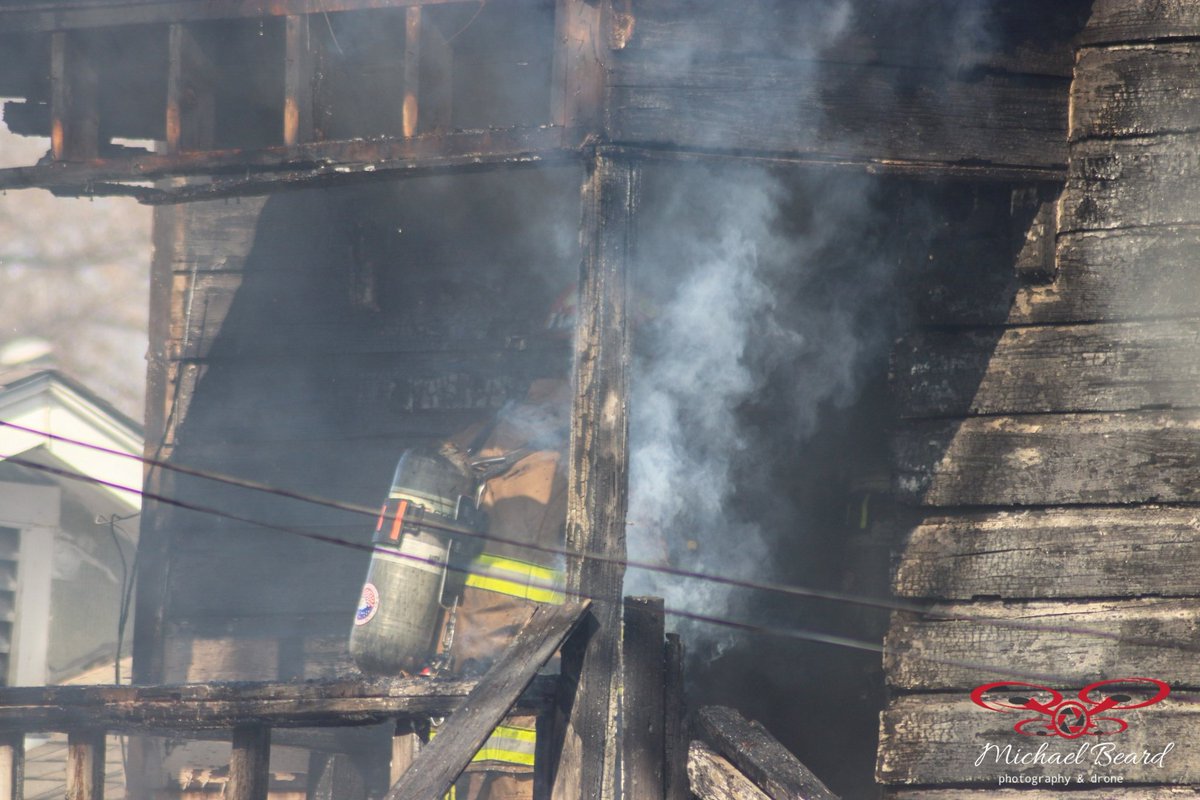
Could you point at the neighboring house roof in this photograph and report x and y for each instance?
(49, 402)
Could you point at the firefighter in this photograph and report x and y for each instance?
(485, 583)
(526, 503)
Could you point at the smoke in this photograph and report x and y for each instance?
(753, 319)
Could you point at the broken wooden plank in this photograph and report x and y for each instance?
(759, 756)
(712, 777)
(249, 773)
(644, 711)
(219, 706)
(1058, 459)
(85, 765)
(936, 740)
(325, 159)
(1097, 367)
(1136, 91)
(1034, 213)
(437, 766)
(674, 729)
(776, 105)
(964, 645)
(597, 478)
(1052, 553)
(1129, 183)
(1116, 21)
(12, 766)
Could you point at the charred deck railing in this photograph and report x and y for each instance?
(737, 760)
(247, 712)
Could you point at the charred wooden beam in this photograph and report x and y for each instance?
(12, 766)
(434, 770)
(49, 15)
(74, 111)
(411, 103)
(249, 764)
(644, 715)
(578, 72)
(85, 765)
(334, 776)
(280, 166)
(760, 756)
(1052, 553)
(598, 478)
(298, 71)
(191, 105)
(783, 106)
(1050, 459)
(674, 729)
(406, 744)
(218, 706)
(713, 777)
(1115, 21)
(1071, 643)
(1117, 366)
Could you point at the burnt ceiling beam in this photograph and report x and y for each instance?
(40, 17)
(306, 161)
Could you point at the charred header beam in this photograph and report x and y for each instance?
(32, 18)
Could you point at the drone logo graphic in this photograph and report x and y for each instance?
(1071, 718)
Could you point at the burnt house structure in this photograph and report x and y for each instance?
(363, 208)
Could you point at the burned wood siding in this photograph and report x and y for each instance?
(780, 79)
(312, 337)
(1053, 458)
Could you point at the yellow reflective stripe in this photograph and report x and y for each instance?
(513, 732)
(509, 744)
(505, 756)
(516, 579)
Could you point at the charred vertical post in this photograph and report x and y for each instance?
(74, 113)
(437, 80)
(405, 746)
(191, 103)
(297, 82)
(644, 715)
(675, 745)
(597, 479)
(12, 766)
(412, 71)
(85, 765)
(248, 766)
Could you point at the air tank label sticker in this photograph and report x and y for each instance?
(367, 605)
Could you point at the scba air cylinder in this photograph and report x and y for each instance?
(416, 539)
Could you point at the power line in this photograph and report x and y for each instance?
(776, 631)
(791, 590)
